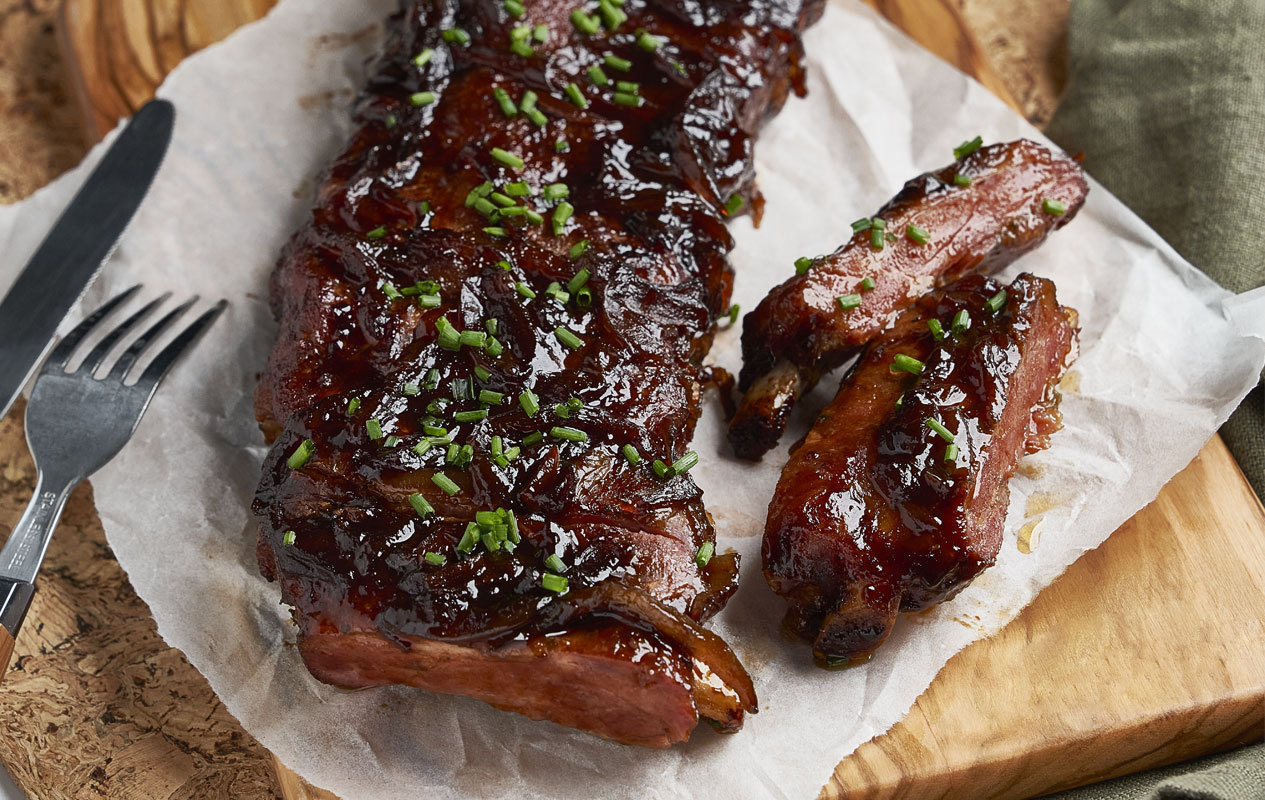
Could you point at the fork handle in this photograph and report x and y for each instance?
(15, 599)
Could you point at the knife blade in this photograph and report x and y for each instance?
(82, 239)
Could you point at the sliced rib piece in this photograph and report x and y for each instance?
(799, 331)
(513, 271)
(877, 512)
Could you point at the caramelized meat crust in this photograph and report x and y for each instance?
(799, 331)
(877, 512)
(512, 272)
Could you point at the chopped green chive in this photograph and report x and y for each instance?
(553, 583)
(576, 96)
(904, 363)
(937, 330)
(411, 389)
(584, 297)
(848, 302)
(733, 205)
(554, 563)
(435, 559)
(521, 48)
(966, 148)
(420, 99)
(803, 264)
(704, 554)
(648, 42)
(392, 441)
(900, 401)
(962, 180)
(1054, 207)
(471, 416)
(580, 278)
(537, 117)
(863, 224)
(684, 464)
(617, 63)
(376, 233)
(473, 338)
(631, 100)
(429, 301)
(456, 36)
(434, 430)
(556, 191)
(530, 402)
(514, 8)
(503, 100)
(482, 373)
(560, 216)
(449, 338)
(524, 290)
(540, 33)
(917, 234)
(660, 469)
(631, 87)
(301, 454)
(867, 283)
(419, 504)
(469, 539)
(568, 338)
(518, 189)
(508, 159)
(585, 23)
(533, 438)
(734, 311)
(390, 291)
(288, 538)
(631, 454)
(374, 428)
(353, 405)
(877, 237)
(961, 322)
(495, 230)
(597, 76)
(502, 200)
(391, 121)
(612, 15)
(951, 452)
(445, 483)
(423, 58)
(578, 249)
(490, 397)
(561, 146)
(943, 432)
(997, 301)
(568, 434)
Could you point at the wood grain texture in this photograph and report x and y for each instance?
(1110, 670)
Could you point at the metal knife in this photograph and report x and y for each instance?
(79, 243)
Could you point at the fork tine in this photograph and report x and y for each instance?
(134, 350)
(61, 353)
(112, 338)
(165, 360)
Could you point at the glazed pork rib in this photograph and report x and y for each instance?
(897, 497)
(489, 364)
(991, 206)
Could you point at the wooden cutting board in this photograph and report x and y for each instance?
(1147, 651)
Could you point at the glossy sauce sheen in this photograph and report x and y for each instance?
(799, 331)
(870, 518)
(620, 653)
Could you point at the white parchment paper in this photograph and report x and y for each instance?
(1166, 355)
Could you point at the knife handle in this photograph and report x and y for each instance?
(15, 599)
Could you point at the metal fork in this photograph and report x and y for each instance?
(76, 423)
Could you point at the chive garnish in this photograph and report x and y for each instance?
(376, 233)
(560, 216)
(966, 148)
(631, 454)
(288, 538)
(473, 338)
(863, 224)
(648, 42)
(704, 554)
(553, 583)
(584, 297)
(597, 76)
(469, 539)
(535, 116)
(556, 191)
(684, 464)
(734, 311)
(471, 416)
(411, 390)
(419, 504)
(455, 36)
(904, 363)
(578, 249)
(568, 338)
(576, 96)
(951, 452)
(848, 302)
(585, 23)
(374, 428)
(867, 283)
(944, 433)
(514, 8)
(554, 563)
(429, 301)
(423, 58)
(561, 146)
(530, 402)
(803, 264)
(495, 230)
(1054, 207)
(733, 205)
(962, 180)
(524, 290)
(961, 322)
(578, 281)
(301, 454)
(420, 99)
(937, 330)
(490, 397)
(353, 405)
(503, 100)
(631, 87)
(660, 469)
(612, 15)
(877, 237)
(617, 63)
(540, 33)
(449, 338)
(533, 438)
(917, 234)
(997, 301)
(568, 434)
(508, 159)
(435, 559)
(631, 100)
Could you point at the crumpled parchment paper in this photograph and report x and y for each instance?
(1166, 355)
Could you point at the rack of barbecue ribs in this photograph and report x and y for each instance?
(897, 497)
(489, 363)
(991, 206)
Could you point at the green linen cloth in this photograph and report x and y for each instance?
(1166, 98)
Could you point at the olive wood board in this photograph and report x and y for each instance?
(1147, 651)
